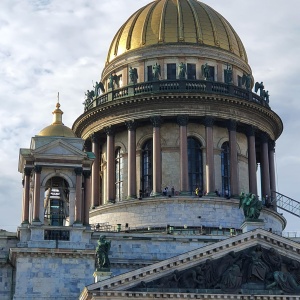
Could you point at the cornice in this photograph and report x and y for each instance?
(137, 107)
(190, 259)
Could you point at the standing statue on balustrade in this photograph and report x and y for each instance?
(102, 250)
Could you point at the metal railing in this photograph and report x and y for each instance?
(167, 229)
(188, 86)
(287, 204)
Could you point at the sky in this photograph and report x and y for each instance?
(51, 46)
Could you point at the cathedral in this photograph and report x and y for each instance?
(153, 192)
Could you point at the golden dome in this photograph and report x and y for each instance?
(57, 128)
(164, 22)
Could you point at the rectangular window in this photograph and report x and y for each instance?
(211, 72)
(149, 73)
(239, 79)
(171, 71)
(191, 71)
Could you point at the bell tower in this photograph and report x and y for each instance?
(55, 209)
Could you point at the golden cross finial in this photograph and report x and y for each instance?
(57, 105)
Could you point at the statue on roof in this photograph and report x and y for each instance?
(251, 206)
(267, 96)
(246, 81)
(182, 70)
(133, 75)
(205, 71)
(89, 95)
(156, 72)
(260, 87)
(228, 74)
(97, 87)
(102, 250)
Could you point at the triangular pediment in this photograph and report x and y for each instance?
(257, 262)
(58, 148)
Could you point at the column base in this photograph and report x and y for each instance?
(211, 194)
(24, 224)
(77, 224)
(249, 224)
(36, 222)
(155, 194)
(184, 193)
(101, 275)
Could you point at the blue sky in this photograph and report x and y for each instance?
(48, 46)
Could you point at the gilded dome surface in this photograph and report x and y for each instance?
(57, 128)
(164, 22)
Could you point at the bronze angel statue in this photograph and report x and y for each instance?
(156, 72)
(205, 71)
(260, 87)
(133, 75)
(246, 81)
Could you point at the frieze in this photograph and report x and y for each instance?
(255, 270)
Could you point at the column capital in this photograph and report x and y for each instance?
(109, 130)
(182, 120)
(78, 171)
(250, 130)
(38, 169)
(86, 173)
(94, 137)
(231, 125)
(27, 171)
(209, 121)
(272, 145)
(156, 121)
(264, 137)
(131, 125)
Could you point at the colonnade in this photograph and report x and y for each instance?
(89, 196)
(266, 160)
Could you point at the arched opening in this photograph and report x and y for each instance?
(195, 164)
(225, 169)
(119, 167)
(147, 168)
(56, 203)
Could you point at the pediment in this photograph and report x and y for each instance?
(58, 148)
(256, 262)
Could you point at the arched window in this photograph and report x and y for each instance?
(147, 171)
(225, 169)
(56, 201)
(119, 173)
(195, 165)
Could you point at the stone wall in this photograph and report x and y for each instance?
(52, 276)
(7, 240)
(180, 211)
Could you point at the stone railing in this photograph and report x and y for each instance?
(184, 86)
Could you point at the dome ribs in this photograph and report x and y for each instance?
(129, 37)
(225, 24)
(215, 33)
(240, 44)
(161, 36)
(197, 23)
(180, 22)
(162, 22)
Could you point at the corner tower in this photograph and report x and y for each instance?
(54, 236)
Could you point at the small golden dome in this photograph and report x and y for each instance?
(57, 128)
(164, 22)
